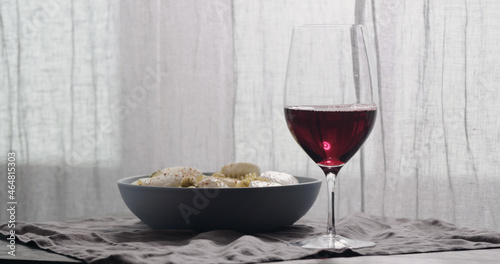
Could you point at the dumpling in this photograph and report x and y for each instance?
(211, 182)
(172, 177)
(279, 177)
(258, 183)
(239, 170)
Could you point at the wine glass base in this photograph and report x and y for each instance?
(332, 242)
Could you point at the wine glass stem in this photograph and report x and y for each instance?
(330, 181)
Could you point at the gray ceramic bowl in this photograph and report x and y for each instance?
(257, 209)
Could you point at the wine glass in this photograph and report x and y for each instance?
(329, 108)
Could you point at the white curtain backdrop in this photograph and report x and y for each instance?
(93, 91)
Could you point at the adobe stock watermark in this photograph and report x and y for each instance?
(200, 201)
(119, 111)
(11, 202)
(260, 140)
(47, 10)
(387, 12)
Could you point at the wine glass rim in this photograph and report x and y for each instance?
(328, 25)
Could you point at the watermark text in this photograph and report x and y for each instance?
(11, 202)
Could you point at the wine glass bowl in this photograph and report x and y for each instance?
(331, 134)
(329, 106)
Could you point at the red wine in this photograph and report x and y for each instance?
(331, 134)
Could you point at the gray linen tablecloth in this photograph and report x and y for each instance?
(127, 240)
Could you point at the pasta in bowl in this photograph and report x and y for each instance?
(233, 175)
(185, 198)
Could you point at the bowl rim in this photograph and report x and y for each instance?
(127, 181)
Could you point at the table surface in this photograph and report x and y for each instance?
(30, 253)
